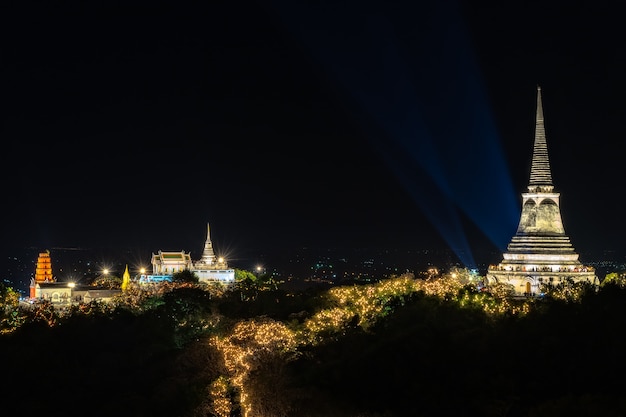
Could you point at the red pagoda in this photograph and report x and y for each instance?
(43, 271)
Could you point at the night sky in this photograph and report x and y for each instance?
(400, 124)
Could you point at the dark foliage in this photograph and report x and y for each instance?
(427, 358)
(276, 304)
(435, 359)
(107, 365)
(185, 276)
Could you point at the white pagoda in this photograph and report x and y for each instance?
(540, 251)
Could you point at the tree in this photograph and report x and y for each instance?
(185, 276)
(10, 315)
(108, 281)
(615, 278)
(246, 283)
(9, 298)
(501, 290)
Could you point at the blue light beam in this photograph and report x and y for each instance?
(408, 74)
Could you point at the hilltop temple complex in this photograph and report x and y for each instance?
(540, 252)
(209, 268)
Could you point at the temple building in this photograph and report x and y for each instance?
(209, 268)
(45, 287)
(540, 252)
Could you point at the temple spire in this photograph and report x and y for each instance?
(125, 279)
(208, 255)
(540, 254)
(540, 174)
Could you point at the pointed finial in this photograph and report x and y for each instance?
(540, 174)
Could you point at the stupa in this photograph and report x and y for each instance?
(540, 252)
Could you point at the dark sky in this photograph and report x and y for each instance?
(401, 124)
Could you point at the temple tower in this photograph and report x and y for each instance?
(43, 271)
(212, 268)
(540, 252)
(208, 255)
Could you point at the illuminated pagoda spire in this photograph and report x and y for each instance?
(540, 174)
(211, 268)
(543, 218)
(208, 255)
(539, 252)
